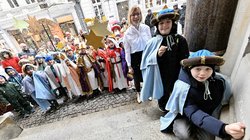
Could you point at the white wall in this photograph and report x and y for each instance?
(5, 5)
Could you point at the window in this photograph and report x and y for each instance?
(98, 9)
(149, 3)
(10, 3)
(43, 5)
(97, 1)
(13, 3)
(158, 2)
(30, 1)
(146, 4)
(27, 1)
(3, 44)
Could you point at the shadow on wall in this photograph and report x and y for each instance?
(247, 50)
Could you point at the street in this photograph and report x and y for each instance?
(70, 110)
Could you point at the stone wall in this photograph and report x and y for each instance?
(241, 94)
(237, 64)
(238, 39)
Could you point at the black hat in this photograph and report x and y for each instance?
(165, 13)
(202, 57)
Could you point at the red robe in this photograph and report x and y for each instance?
(103, 54)
(13, 62)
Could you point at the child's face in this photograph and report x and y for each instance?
(2, 80)
(110, 43)
(82, 50)
(50, 62)
(165, 26)
(69, 53)
(11, 72)
(67, 63)
(40, 60)
(30, 72)
(201, 73)
(6, 55)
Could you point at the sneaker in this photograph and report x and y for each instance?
(162, 109)
(31, 111)
(49, 110)
(138, 97)
(26, 115)
(150, 98)
(65, 99)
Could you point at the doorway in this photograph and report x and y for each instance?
(122, 9)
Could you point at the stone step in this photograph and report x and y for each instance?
(134, 121)
(8, 127)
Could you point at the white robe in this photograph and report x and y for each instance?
(120, 81)
(91, 75)
(74, 89)
(51, 77)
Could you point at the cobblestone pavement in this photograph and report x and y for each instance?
(70, 109)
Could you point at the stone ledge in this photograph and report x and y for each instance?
(8, 128)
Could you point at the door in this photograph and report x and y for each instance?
(122, 9)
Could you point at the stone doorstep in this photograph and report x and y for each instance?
(136, 121)
(141, 119)
(8, 128)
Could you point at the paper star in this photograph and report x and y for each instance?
(53, 26)
(100, 29)
(93, 40)
(34, 25)
(20, 24)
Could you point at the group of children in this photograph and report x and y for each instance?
(77, 74)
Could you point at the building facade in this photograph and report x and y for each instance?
(66, 14)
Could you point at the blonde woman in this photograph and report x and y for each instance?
(135, 39)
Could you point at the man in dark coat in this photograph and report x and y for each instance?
(182, 16)
(148, 19)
